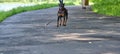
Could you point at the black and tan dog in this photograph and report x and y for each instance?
(62, 15)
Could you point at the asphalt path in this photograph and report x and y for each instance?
(35, 32)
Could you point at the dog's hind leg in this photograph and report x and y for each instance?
(61, 21)
(65, 20)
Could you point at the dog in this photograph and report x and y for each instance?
(62, 15)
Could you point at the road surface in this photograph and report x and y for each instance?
(35, 32)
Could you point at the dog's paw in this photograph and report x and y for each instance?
(64, 24)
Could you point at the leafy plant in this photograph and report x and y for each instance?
(108, 7)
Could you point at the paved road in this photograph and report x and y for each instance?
(35, 32)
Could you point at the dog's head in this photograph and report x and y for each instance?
(61, 5)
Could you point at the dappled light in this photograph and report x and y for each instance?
(76, 36)
(109, 53)
(103, 32)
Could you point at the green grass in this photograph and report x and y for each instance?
(111, 7)
(4, 15)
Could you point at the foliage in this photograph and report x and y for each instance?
(23, 9)
(108, 7)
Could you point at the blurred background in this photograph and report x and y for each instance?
(36, 1)
(11, 7)
(6, 5)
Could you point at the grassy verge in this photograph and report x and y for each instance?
(111, 8)
(4, 15)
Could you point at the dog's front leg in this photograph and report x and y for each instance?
(64, 21)
(58, 19)
(66, 18)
